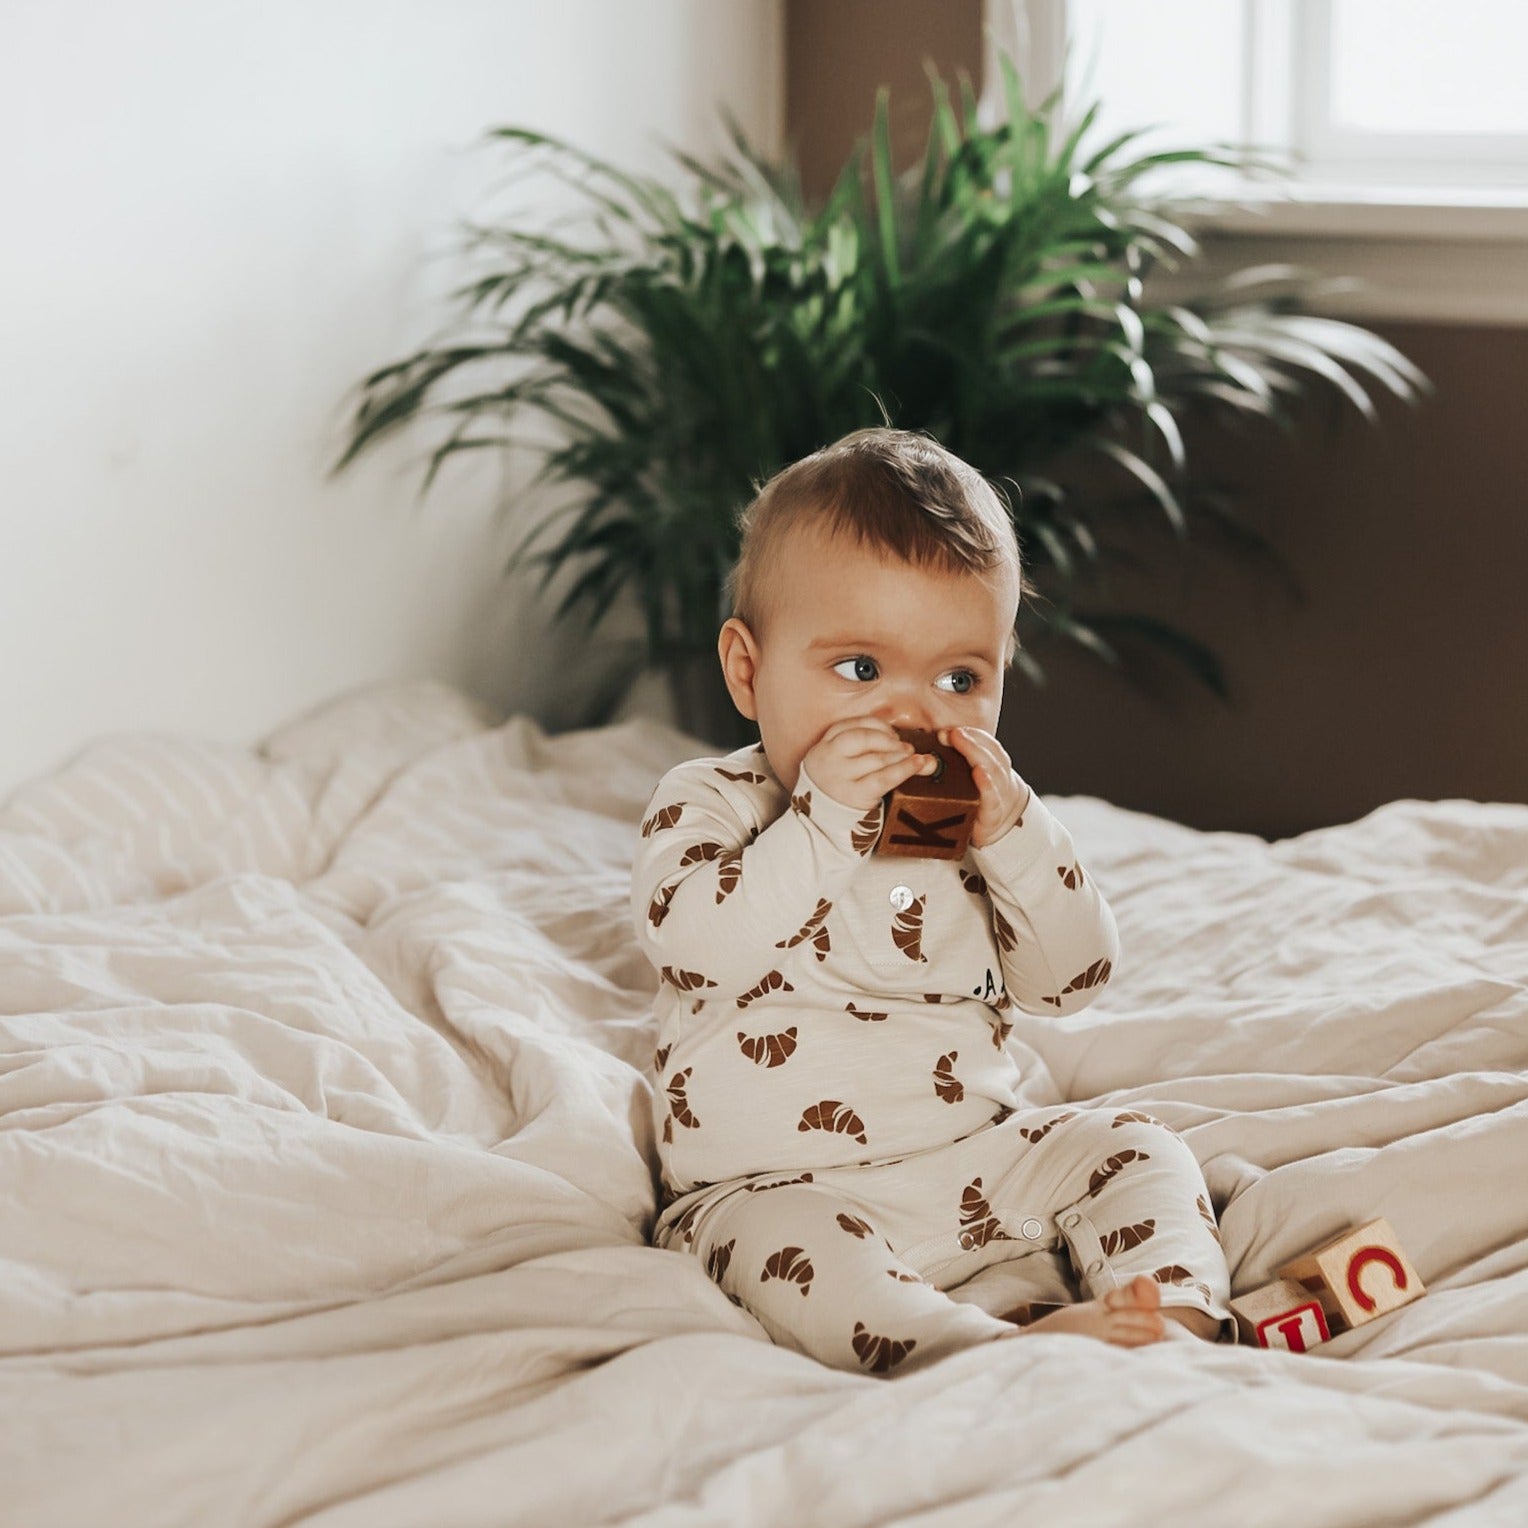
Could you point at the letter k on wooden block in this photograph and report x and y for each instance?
(931, 816)
(1358, 1275)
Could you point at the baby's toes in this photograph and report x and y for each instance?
(1140, 1294)
(1135, 1328)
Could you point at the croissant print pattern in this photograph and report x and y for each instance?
(973, 1203)
(1134, 1117)
(907, 930)
(768, 1050)
(685, 1225)
(664, 817)
(763, 1188)
(946, 1084)
(774, 982)
(802, 803)
(1208, 1216)
(837, 1117)
(1176, 1273)
(661, 1055)
(697, 853)
(729, 871)
(678, 1103)
(747, 776)
(1044, 1130)
(855, 1226)
(879, 1355)
(657, 909)
(1127, 1237)
(685, 981)
(869, 1018)
(1095, 976)
(720, 1259)
(974, 882)
(863, 834)
(1070, 878)
(1113, 1166)
(981, 1225)
(789, 1263)
(812, 929)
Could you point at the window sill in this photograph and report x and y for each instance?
(1423, 255)
(1369, 211)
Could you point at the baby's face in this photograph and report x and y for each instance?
(854, 632)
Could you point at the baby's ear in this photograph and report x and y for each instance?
(739, 654)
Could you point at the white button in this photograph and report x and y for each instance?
(967, 1240)
(1032, 1229)
(901, 898)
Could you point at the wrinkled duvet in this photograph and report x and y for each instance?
(325, 1163)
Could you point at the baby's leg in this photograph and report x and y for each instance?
(1132, 1200)
(822, 1280)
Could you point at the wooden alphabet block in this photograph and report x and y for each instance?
(1281, 1315)
(1358, 1275)
(931, 816)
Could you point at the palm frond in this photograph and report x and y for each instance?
(690, 334)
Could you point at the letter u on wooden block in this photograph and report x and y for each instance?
(1358, 1275)
(931, 816)
(1281, 1315)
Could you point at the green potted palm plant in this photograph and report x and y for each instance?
(708, 330)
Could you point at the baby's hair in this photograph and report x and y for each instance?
(898, 491)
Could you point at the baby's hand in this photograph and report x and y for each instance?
(1004, 795)
(858, 760)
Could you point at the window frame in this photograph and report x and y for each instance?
(1422, 248)
(1328, 152)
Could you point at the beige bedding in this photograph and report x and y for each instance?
(325, 1165)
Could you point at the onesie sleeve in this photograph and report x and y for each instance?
(1055, 934)
(715, 906)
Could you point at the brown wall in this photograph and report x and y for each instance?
(837, 52)
(1405, 674)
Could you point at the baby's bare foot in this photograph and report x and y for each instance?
(1129, 1317)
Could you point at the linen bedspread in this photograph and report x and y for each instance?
(326, 1170)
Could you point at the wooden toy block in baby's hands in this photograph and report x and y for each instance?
(1343, 1283)
(931, 816)
(1358, 1275)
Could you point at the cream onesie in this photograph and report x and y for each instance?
(837, 1114)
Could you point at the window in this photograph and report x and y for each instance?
(1404, 123)
(1355, 92)
(1414, 87)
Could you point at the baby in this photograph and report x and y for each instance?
(842, 1139)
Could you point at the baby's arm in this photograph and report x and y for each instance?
(716, 910)
(1055, 933)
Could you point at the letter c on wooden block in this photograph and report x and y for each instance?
(1361, 1260)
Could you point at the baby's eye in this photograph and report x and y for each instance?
(860, 665)
(971, 681)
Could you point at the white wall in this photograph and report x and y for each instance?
(217, 217)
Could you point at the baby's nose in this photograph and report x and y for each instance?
(920, 718)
